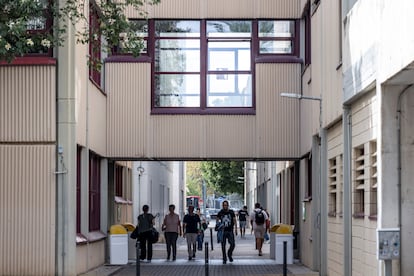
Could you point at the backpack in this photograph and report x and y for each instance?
(259, 217)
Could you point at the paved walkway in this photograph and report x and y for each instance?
(246, 262)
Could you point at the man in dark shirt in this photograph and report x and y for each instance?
(191, 226)
(228, 219)
(243, 221)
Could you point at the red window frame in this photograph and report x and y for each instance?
(118, 181)
(94, 192)
(95, 45)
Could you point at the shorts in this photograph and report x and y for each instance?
(259, 231)
(242, 224)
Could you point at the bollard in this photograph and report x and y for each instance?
(138, 253)
(284, 258)
(206, 258)
(211, 238)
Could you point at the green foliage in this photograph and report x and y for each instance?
(223, 176)
(193, 178)
(21, 20)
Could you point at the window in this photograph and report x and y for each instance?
(94, 46)
(308, 41)
(359, 182)
(333, 183)
(118, 181)
(39, 28)
(277, 37)
(207, 66)
(94, 192)
(140, 28)
(78, 188)
(373, 210)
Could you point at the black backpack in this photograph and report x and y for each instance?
(259, 217)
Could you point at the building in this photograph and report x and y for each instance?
(209, 87)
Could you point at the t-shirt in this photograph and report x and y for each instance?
(226, 218)
(242, 215)
(191, 223)
(145, 222)
(172, 223)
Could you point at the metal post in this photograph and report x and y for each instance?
(138, 253)
(211, 239)
(284, 258)
(206, 258)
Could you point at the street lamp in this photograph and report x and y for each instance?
(322, 171)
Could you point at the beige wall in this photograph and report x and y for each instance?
(364, 129)
(27, 166)
(89, 256)
(134, 133)
(27, 209)
(222, 9)
(335, 185)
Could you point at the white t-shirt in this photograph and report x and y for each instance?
(253, 215)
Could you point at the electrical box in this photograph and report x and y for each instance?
(388, 243)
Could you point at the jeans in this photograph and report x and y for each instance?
(200, 239)
(171, 241)
(227, 235)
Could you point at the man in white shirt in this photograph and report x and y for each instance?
(258, 220)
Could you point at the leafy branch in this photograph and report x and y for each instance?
(36, 26)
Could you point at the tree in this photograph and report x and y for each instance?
(224, 175)
(36, 26)
(193, 178)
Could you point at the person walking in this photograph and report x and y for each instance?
(203, 226)
(145, 224)
(243, 214)
(227, 218)
(171, 227)
(258, 220)
(191, 226)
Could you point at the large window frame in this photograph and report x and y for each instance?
(202, 75)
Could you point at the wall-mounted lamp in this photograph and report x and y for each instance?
(299, 96)
(140, 170)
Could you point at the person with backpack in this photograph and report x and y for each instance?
(258, 220)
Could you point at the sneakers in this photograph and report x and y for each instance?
(190, 258)
(231, 259)
(224, 261)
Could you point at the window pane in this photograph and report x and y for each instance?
(229, 28)
(285, 28)
(175, 28)
(229, 56)
(177, 90)
(229, 90)
(177, 55)
(276, 47)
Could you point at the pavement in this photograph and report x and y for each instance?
(246, 261)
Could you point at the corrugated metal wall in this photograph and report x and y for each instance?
(27, 103)
(27, 209)
(223, 9)
(27, 165)
(134, 133)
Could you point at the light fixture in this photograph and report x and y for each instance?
(299, 96)
(140, 170)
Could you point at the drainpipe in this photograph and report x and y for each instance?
(399, 165)
(347, 212)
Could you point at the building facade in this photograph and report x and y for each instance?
(336, 160)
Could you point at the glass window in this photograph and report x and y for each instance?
(201, 65)
(276, 37)
(177, 64)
